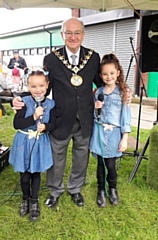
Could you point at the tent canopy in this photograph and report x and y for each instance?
(101, 5)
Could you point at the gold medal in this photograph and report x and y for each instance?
(76, 80)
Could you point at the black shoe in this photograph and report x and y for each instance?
(24, 208)
(77, 198)
(34, 211)
(52, 201)
(113, 196)
(101, 198)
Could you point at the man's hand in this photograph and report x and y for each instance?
(129, 95)
(18, 103)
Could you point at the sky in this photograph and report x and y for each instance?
(18, 19)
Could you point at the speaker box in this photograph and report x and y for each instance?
(149, 46)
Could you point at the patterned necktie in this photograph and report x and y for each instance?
(73, 59)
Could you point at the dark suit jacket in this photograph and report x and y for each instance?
(71, 100)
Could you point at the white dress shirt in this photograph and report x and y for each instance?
(70, 53)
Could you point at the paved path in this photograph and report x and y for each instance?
(147, 117)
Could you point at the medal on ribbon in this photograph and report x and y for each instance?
(76, 80)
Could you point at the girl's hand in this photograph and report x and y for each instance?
(41, 127)
(122, 145)
(38, 112)
(99, 104)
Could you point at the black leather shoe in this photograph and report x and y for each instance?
(113, 196)
(52, 201)
(24, 208)
(77, 198)
(101, 198)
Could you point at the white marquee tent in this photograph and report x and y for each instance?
(88, 4)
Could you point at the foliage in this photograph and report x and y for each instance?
(6, 127)
(152, 168)
(135, 218)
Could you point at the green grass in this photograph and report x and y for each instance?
(135, 218)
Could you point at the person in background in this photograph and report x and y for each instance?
(19, 61)
(17, 75)
(111, 127)
(28, 155)
(4, 91)
(72, 70)
(24, 80)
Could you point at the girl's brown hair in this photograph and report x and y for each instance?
(123, 87)
(41, 71)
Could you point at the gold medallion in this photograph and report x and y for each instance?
(76, 80)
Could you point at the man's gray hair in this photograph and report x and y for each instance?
(64, 22)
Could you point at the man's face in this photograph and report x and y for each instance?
(73, 34)
(16, 56)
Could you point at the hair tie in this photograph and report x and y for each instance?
(40, 70)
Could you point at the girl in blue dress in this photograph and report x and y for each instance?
(31, 151)
(112, 118)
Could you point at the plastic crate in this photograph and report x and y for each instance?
(4, 156)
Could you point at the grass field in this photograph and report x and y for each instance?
(135, 218)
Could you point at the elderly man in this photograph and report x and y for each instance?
(72, 69)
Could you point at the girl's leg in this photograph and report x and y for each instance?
(101, 199)
(112, 180)
(111, 167)
(25, 186)
(34, 205)
(35, 184)
(100, 173)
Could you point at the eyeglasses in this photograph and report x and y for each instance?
(70, 34)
